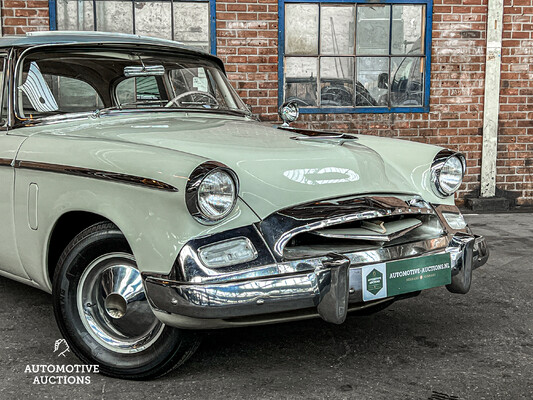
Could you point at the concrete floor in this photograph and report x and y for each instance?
(435, 346)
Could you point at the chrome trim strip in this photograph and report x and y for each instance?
(184, 322)
(371, 237)
(5, 162)
(96, 174)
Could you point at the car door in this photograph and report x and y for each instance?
(9, 145)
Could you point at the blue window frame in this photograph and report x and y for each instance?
(89, 18)
(355, 56)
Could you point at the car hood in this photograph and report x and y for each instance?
(275, 170)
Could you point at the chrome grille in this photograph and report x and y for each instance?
(308, 230)
(356, 236)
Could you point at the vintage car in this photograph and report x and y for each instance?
(140, 192)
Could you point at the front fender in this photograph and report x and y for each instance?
(155, 221)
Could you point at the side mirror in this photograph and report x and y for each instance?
(288, 112)
(383, 80)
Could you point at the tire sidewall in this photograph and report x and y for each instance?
(157, 359)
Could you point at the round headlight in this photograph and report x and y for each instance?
(448, 174)
(216, 195)
(211, 192)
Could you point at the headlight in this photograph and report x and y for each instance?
(211, 192)
(447, 172)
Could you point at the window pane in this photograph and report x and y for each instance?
(337, 30)
(143, 90)
(373, 24)
(370, 92)
(191, 24)
(45, 93)
(114, 16)
(301, 29)
(126, 91)
(336, 81)
(407, 28)
(74, 95)
(301, 80)
(153, 19)
(73, 15)
(407, 83)
(200, 80)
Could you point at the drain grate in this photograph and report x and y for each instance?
(442, 396)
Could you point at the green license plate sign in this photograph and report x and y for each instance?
(404, 276)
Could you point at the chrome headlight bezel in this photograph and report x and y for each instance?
(438, 164)
(196, 179)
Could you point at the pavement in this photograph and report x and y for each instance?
(436, 346)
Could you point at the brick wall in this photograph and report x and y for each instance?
(21, 16)
(247, 41)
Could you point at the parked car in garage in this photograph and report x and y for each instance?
(138, 190)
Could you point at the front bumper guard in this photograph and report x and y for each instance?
(328, 290)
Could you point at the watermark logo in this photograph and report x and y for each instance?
(61, 374)
(61, 347)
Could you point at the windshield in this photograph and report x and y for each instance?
(60, 82)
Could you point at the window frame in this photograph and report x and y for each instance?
(358, 110)
(4, 91)
(52, 9)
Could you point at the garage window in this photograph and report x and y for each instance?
(191, 22)
(353, 56)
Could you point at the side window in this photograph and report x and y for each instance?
(143, 90)
(47, 94)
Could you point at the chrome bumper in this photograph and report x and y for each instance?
(329, 290)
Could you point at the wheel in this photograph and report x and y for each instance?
(103, 313)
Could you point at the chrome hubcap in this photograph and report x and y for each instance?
(113, 306)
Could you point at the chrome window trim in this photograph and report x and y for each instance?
(23, 50)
